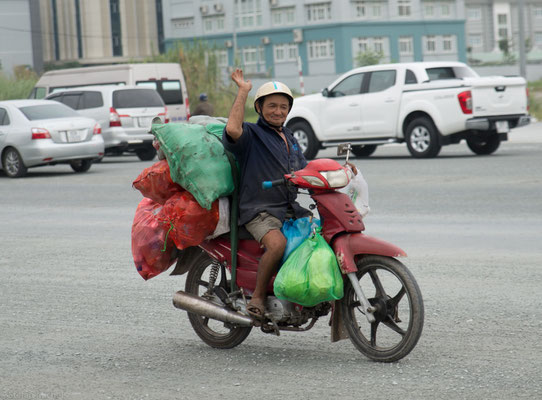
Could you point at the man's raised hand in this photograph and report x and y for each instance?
(237, 77)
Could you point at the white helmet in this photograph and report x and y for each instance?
(273, 87)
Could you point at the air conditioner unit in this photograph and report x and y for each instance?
(228, 43)
(298, 35)
(204, 10)
(266, 40)
(273, 3)
(219, 7)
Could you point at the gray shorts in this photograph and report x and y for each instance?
(261, 224)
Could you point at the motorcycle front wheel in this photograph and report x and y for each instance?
(392, 290)
(217, 334)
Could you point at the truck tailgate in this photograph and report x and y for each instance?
(498, 96)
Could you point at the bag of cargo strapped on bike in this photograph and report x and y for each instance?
(310, 275)
(196, 159)
(296, 231)
(190, 223)
(156, 184)
(152, 248)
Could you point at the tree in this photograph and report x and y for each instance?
(368, 57)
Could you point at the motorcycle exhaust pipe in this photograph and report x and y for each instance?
(197, 305)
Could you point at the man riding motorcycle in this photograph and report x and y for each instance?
(265, 151)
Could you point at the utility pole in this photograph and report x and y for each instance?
(522, 57)
(234, 33)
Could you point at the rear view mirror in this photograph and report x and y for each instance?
(343, 149)
(325, 92)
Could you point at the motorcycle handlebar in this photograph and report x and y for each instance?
(270, 184)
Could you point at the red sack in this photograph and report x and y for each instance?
(149, 233)
(191, 222)
(155, 182)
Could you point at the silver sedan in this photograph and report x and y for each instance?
(44, 132)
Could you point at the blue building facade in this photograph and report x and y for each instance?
(283, 39)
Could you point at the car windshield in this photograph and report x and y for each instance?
(48, 111)
(131, 98)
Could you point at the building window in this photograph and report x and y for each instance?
(321, 49)
(214, 23)
(445, 10)
(285, 52)
(318, 12)
(475, 40)
(428, 9)
(538, 39)
(248, 13)
(404, 8)
(430, 44)
(253, 59)
(503, 33)
(183, 23)
(474, 13)
(116, 30)
(283, 16)
(367, 9)
(537, 12)
(406, 46)
(448, 44)
(501, 18)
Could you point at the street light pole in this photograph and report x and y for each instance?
(522, 57)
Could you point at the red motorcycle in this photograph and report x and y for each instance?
(382, 309)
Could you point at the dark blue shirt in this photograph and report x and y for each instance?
(263, 156)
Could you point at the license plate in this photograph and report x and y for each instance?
(502, 126)
(145, 122)
(75, 136)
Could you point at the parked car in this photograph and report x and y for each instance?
(124, 113)
(424, 104)
(44, 132)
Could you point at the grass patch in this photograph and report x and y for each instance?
(535, 99)
(16, 87)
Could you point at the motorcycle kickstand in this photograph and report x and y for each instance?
(367, 307)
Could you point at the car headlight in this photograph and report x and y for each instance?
(336, 179)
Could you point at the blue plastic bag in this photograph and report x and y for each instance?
(296, 231)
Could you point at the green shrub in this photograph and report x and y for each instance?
(16, 87)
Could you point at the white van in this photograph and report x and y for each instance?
(166, 78)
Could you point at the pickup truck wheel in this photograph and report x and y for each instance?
(484, 146)
(306, 139)
(422, 138)
(364, 151)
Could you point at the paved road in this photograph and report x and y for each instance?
(77, 321)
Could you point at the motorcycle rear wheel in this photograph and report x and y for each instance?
(215, 333)
(391, 288)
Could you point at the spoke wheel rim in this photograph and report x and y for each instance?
(392, 320)
(302, 138)
(420, 139)
(12, 163)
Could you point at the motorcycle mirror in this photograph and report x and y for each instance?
(344, 148)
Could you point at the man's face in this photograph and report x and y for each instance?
(275, 109)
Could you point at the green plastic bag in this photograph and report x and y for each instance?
(197, 160)
(310, 274)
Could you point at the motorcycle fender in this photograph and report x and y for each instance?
(347, 246)
(187, 258)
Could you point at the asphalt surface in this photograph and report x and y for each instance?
(77, 321)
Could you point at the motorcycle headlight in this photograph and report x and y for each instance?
(336, 179)
(314, 181)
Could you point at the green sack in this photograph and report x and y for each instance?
(197, 160)
(310, 275)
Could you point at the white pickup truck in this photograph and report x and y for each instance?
(425, 104)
